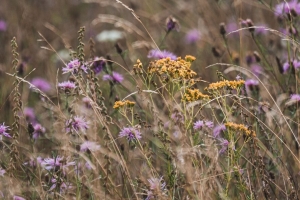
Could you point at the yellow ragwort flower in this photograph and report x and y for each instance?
(226, 83)
(240, 127)
(120, 104)
(194, 95)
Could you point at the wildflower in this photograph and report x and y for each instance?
(3, 132)
(218, 130)
(231, 27)
(287, 8)
(98, 65)
(252, 85)
(240, 127)
(194, 95)
(138, 67)
(120, 104)
(192, 36)
(15, 197)
(41, 84)
(91, 146)
(29, 114)
(177, 117)
(67, 86)
(115, 77)
(2, 171)
(130, 133)
(286, 66)
(157, 54)
(172, 24)
(225, 83)
(77, 123)
(74, 66)
(224, 145)
(294, 98)
(87, 101)
(209, 124)
(222, 29)
(256, 69)
(59, 183)
(56, 163)
(198, 124)
(3, 25)
(157, 184)
(38, 131)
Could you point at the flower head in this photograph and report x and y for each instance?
(41, 84)
(98, 65)
(224, 145)
(172, 24)
(287, 8)
(67, 86)
(54, 163)
(218, 130)
(157, 54)
(3, 25)
(91, 146)
(29, 114)
(252, 85)
(3, 131)
(77, 124)
(192, 36)
(2, 171)
(115, 77)
(15, 197)
(294, 99)
(130, 133)
(38, 131)
(74, 66)
(200, 123)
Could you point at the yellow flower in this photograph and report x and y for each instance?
(226, 83)
(194, 95)
(240, 127)
(120, 104)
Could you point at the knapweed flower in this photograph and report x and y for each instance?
(240, 127)
(115, 77)
(232, 26)
(121, 104)
(29, 114)
(38, 131)
(67, 86)
(294, 98)
(3, 131)
(222, 84)
(3, 25)
(286, 66)
(256, 69)
(74, 66)
(252, 85)
(224, 145)
(98, 65)
(61, 184)
(287, 8)
(138, 67)
(87, 101)
(209, 124)
(218, 130)
(194, 95)
(157, 54)
(76, 124)
(41, 84)
(177, 117)
(2, 171)
(192, 36)
(157, 184)
(130, 133)
(88, 145)
(56, 163)
(15, 197)
(172, 24)
(201, 124)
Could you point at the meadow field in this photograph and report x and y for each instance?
(150, 99)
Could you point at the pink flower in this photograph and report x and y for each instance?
(157, 54)
(41, 84)
(73, 67)
(192, 36)
(115, 77)
(77, 124)
(130, 133)
(91, 146)
(3, 131)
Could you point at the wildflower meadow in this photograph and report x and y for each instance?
(150, 100)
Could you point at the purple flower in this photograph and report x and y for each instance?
(41, 84)
(15, 197)
(157, 54)
(232, 26)
(54, 163)
(77, 123)
(91, 146)
(192, 36)
(29, 114)
(209, 124)
(224, 145)
(283, 8)
(172, 24)
(2, 171)
(198, 124)
(262, 30)
(115, 77)
(294, 99)
(256, 69)
(130, 133)
(218, 130)
(87, 101)
(3, 25)
(252, 85)
(98, 65)
(286, 66)
(38, 131)
(3, 132)
(62, 185)
(74, 66)
(157, 184)
(177, 117)
(67, 86)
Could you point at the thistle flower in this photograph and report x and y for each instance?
(87, 101)
(61, 184)
(252, 85)
(3, 132)
(77, 124)
(130, 133)
(115, 77)
(200, 123)
(287, 8)
(286, 66)
(73, 67)
(67, 86)
(38, 131)
(192, 36)
(98, 65)
(172, 24)
(41, 84)
(218, 130)
(157, 54)
(56, 163)
(294, 98)
(91, 146)
(224, 145)
(29, 114)
(157, 184)
(256, 69)
(209, 124)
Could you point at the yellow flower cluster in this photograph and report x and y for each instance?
(194, 95)
(138, 67)
(176, 69)
(226, 83)
(120, 104)
(240, 127)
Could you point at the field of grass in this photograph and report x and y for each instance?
(151, 99)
